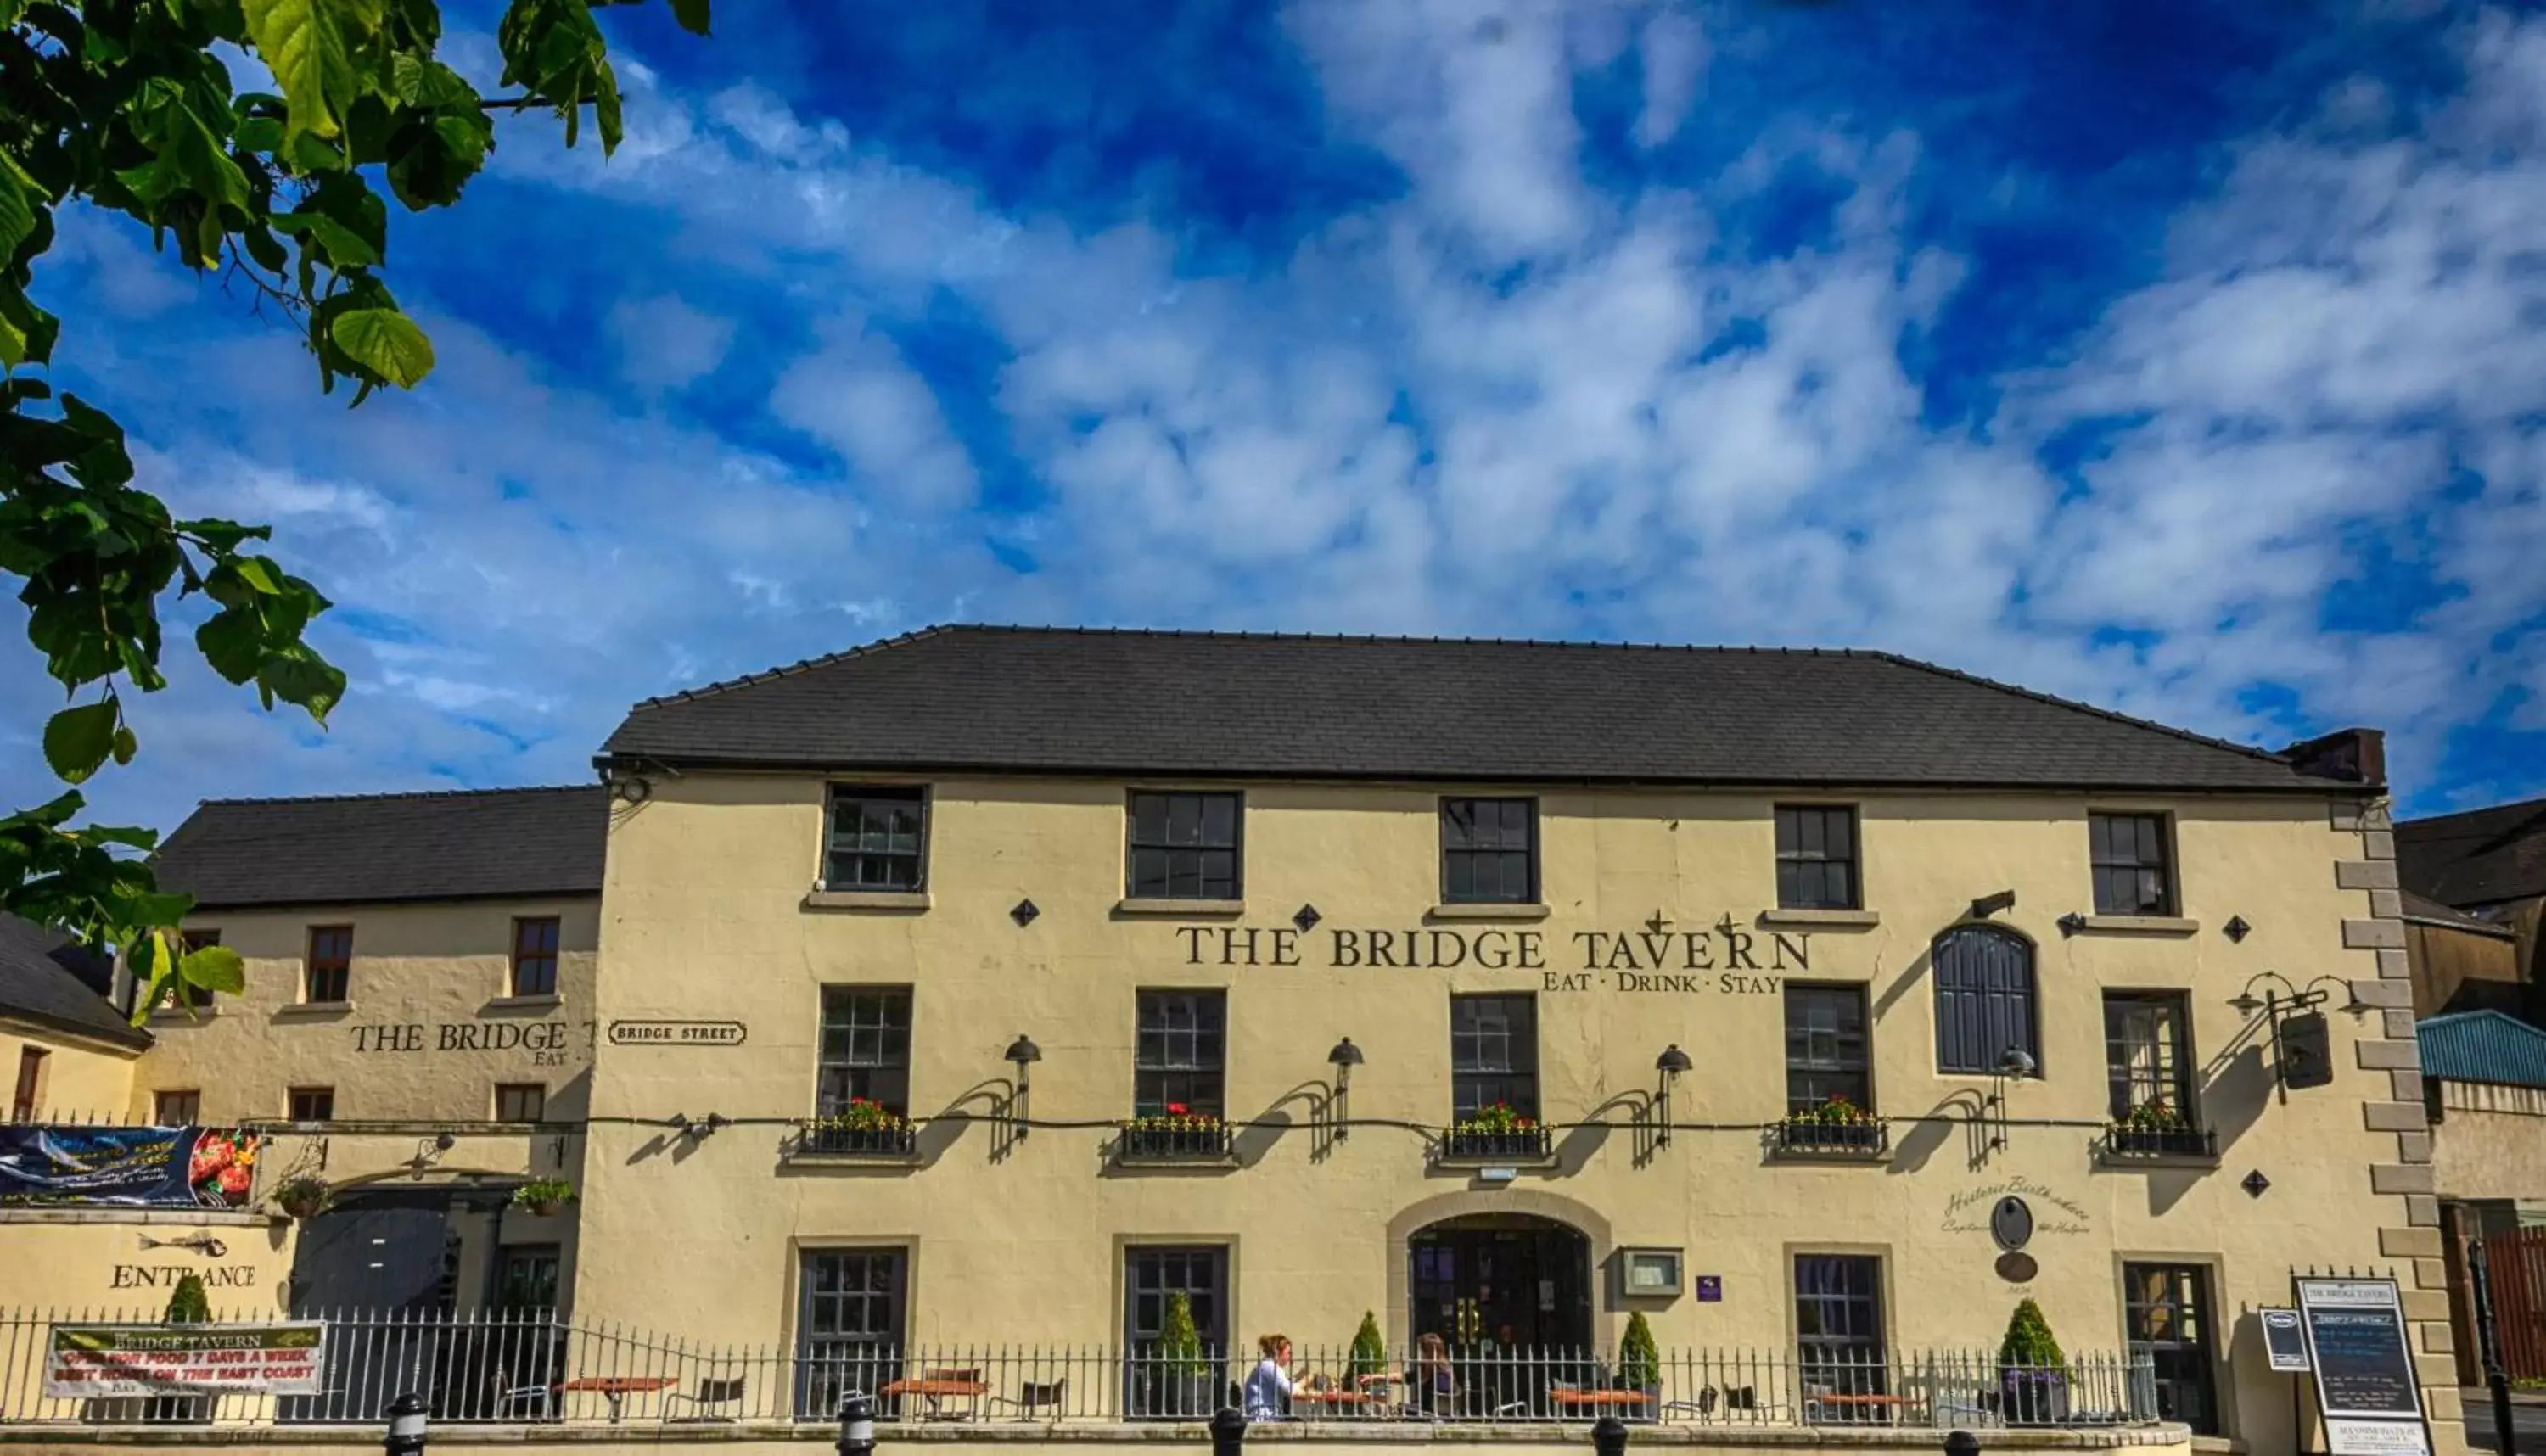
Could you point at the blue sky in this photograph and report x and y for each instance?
(2186, 359)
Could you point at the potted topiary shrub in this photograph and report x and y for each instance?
(188, 1304)
(543, 1197)
(2032, 1373)
(1640, 1365)
(1183, 1369)
(302, 1196)
(1369, 1350)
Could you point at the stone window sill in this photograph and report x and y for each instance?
(176, 1016)
(797, 1159)
(316, 1010)
(525, 1003)
(1489, 910)
(1805, 919)
(1194, 909)
(903, 901)
(2141, 925)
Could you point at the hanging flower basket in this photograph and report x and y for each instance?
(543, 1197)
(301, 1198)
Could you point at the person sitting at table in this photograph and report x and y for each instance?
(1268, 1390)
(1436, 1386)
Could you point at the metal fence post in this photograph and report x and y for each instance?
(406, 1425)
(1962, 1443)
(857, 1425)
(1609, 1436)
(1227, 1432)
(2488, 1339)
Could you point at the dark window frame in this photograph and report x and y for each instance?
(833, 853)
(192, 1104)
(185, 994)
(881, 1076)
(535, 967)
(1847, 1284)
(1472, 1072)
(1819, 1074)
(27, 1097)
(332, 973)
(511, 1094)
(1984, 1061)
(870, 1282)
(1801, 860)
(2106, 864)
(1476, 853)
(2192, 1297)
(1193, 1056)
(311, 1103)
(1138, 884)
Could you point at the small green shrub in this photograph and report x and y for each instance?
(1369, 1350)
(1639, 1361)
(1179, 1342)
(189, 1305)
(2029, 1342)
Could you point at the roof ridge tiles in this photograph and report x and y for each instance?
(388, 794)
(2075, 706)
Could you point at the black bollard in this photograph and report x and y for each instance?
(406, 1425)
(857, 1425)
(1962, 1443)
(1228, 1431)
(1609, 1436)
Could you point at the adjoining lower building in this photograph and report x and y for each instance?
(1002, 989)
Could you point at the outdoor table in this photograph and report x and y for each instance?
(1889, 1405)
(934, 1391)
(617, 1387)
(1334, 1397)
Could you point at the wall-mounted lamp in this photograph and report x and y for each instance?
(1670, 1063)
(2014, 1064)
(2302, 1047)
(2072, 922)
(1343, 1059)
(1022, 1054)
(699, 1127)
(1990, 904)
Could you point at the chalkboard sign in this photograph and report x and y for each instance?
(2364, 1366)
(2285, 1340)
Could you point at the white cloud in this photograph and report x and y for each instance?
(664, 344)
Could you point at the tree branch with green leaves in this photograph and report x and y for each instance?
(127, 107)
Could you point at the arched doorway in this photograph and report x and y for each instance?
(1501, 1281)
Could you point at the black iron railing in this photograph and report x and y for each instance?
(1205, 1143)
(2129, 1142)
(899, 1140)
(1834, 1138)
(1472, 1145)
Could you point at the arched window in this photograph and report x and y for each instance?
(1986, 1004)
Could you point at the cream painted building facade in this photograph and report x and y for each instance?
(1184, 868)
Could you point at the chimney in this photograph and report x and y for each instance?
(2355, 755)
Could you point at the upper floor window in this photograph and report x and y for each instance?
(1177, 1062)
(181, 1108)
(30, 1095)
(1185, 846)
(2134, 869)
(879, 838)
(1488, 851)
(1986, 1014)
(2148, 1053)
(1494, 1055)
(328, 973)
(535, 956)
(1826, 1050)
(521, 1101)
(312, 1104)
(181, 992)
(866, 1049)
(1815, 857)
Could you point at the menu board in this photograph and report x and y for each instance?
(2364, 1367)
(2285, 1340)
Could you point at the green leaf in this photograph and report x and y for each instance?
(386, 342)
(213, 967)
(78, 740)
(692, 14)
(21, 197)
(259, 135)
(309, 45)
(234, 642)
(299, 676)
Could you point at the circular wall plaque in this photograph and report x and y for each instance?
(2012, 1223)
(2018, 1268)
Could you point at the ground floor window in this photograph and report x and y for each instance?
(849, 1327)
(2166, 1310)
(1160, 1377)
(1838, 1334)
(527, 1277)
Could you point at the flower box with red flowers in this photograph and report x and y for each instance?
(1174, 1133)
(863, 1129)
(2158, 1130)
(1831, 1128)
(1494, 1132)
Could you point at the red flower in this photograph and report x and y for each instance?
(1177, 1109)
(234, 1180)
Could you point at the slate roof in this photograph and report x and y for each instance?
(477, 844)
(2482, 1047)
(2431, 912)
(47, 980)
(1243, 705)
(2481, 856)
